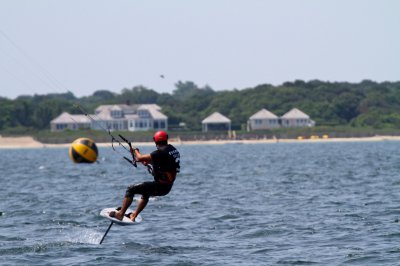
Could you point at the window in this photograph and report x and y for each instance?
(61, 126)
(143, 113)
(116, 114)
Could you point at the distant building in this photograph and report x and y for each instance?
(216, 121)
(263, 120)
(296, 118)
(119, 117)
(67, 121)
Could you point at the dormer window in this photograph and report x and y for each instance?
(116, 114)
(143, 113)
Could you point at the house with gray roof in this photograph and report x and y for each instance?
(216, 121)
(296, 118)
(68, 121)
(149, 117)
(263, 120)
(121, 117)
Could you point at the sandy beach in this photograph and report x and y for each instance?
(29, 142)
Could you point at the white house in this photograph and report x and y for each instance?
(216, 121)
(296, 118)
(263, 120)
(67, 121)
(147, 117)
(109, 117)
(119, 117)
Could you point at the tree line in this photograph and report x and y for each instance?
(363, 104)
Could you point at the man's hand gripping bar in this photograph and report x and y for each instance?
(133, 161)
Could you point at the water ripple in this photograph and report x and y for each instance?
(284, 204)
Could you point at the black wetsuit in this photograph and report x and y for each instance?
(164, 159)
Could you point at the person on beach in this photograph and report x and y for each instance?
(165, 162)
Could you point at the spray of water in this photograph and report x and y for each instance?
(84, 236)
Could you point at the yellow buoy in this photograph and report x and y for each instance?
(83, 150)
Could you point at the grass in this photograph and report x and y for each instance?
(68, 136)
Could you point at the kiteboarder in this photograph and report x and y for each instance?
(165, 166)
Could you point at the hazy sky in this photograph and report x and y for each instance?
(83, 46)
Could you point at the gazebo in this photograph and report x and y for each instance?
(216, 121)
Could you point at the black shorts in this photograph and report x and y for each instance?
(148, 189)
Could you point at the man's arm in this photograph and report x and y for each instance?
(143, 158)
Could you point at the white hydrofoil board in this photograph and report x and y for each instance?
(125, 221)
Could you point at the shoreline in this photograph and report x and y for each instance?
(30, 143)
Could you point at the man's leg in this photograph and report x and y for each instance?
(145, 189)
(141, 205)
(126, 202)
(152, 189)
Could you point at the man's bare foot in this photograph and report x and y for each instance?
(133, 216)
(116, 215)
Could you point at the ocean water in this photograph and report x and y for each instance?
(234, 204)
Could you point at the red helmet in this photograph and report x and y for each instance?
(160, 136)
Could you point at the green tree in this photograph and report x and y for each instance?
(138, 95)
